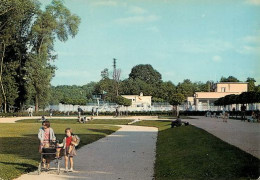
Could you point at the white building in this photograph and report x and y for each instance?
(139, 100)
(205, 100)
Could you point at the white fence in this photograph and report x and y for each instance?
(107, 107)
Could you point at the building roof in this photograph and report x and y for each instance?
(136, 95)
(232, 83)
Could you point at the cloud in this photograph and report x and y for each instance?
(249, 45)
(137, 19)
(216, 58)
(252, 39)
(203, 16)
(249, 50)
(253, 2)
(105, 3)
(137, 10)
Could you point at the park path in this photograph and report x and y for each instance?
(128, 154)
(13, 119)
(243, 135)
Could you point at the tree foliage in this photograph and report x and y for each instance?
(27, 36)
(146, 73)
(243, 98)
(123, 101)
(251, 84)
(229, 79)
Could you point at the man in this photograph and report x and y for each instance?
(80, 111)
(243, 112)
(177, 122)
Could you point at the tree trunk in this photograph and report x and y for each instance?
(1, 80)
(174, 110)
(36, 103)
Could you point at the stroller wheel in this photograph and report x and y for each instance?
(39, 168)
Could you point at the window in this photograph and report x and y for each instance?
(223, 89)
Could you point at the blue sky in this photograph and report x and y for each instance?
(198, 40)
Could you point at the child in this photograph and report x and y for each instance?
(69, 143)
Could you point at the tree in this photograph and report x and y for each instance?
(164, 90)
(123, 101)
(229, 79)
(106, 85)
(15, 22)
(251, 84)
(146, 73)
(105, 74)
(55, 21)
(175, 100)
(187, 88)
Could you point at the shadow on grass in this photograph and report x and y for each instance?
(106, 131)
(188, 152)
(21, 166)
(27, 146)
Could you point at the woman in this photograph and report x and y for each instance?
(46, 135)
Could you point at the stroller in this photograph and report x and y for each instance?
(50, 153)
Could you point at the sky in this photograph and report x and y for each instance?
(198, 40)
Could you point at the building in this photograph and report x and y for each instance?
(139, 100)
(205, 100)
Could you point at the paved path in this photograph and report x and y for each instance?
(128, 154)
(241, 134)
(13, 119)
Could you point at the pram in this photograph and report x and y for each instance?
(50, 153)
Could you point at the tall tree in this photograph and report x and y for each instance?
(229, 79)
(15, 22)
(251, 84)
(55, 21)
(146, 73)
(187, 88)
(175, 100)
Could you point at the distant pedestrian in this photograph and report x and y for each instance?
(97, 111)
(43, 118)
(243, 112)
(30, 111)
(80, 111)
(225, 117)
(117, 111)
(51, 111)
(93, 111)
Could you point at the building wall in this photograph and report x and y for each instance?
(139, 100)
(206, 99)
(232, 87)
(212, 95)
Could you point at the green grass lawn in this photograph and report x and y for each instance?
(188, 152)
(74, 121)
(19, 143)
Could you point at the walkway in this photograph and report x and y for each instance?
(127, 154)
(13, 119)
(241, 134)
